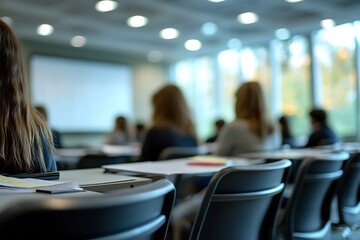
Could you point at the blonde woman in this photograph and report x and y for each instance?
(171, 123)
(252, 130)
(26, 144)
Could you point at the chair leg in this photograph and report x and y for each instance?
(341, 231)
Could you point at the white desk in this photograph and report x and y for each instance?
(351, 147)
(292, 154)
(94, 179)
(174, 167)
(69, 157)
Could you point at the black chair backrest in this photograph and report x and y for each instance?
(98, 160)
(348, 193)
(136, 213)
(181, 152)
(241, 202)
(307, 213)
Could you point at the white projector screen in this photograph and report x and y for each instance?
(81, 96)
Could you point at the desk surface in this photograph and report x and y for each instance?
(67, 158)
(107, 150)
(94, 179)
(174, 167)
(292, 154)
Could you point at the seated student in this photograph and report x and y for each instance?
(26, 144)
(321, 134)
(286, 135)
(219, 124)
(171, 124)
(119, 135)
(252, 130)
(139, 132)
(56, 134)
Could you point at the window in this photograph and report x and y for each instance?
(295, 83)
(255, 66)
(197, 81)
(334, 53)
(229, 81)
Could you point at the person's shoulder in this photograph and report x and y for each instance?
(237, 124)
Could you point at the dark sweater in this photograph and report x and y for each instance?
(157, 139)
(322, 136)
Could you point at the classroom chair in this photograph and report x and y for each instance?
(181, 152)
(135, 213)
(98, 160)
(348, 196)
(306, 214)
(241, 203)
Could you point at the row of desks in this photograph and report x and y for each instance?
(117, 176)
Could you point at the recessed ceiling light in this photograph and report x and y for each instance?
(294, 1)
(209, 29)
(7, 20)
(248, 18)
(234, 43)
(327, 23)
(169, 33)
(78, 41)
(216, 1)
(282, 34)
(106, 5)
(155, 56)
(137, 21)
(193, 45)
(45, 29)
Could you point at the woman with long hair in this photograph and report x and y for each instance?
(26, 144)
(252, 130)
(119, 135)
(171, 123)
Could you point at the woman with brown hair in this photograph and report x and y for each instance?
(119, 135)
(171, 123)
(26, 144)
(252, 130)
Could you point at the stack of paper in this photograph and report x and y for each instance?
(17, 185)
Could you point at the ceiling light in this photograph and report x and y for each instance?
(293, 1)
(248, 18)
(216, 1)
(282, 34)
(106, 5)
(137, 21)
(45, 29)
(234, 43)
(7, 20)
(78, 41)
(193, 45)
(169, 33)
(209, 29)
(154, 56)
(327, 23)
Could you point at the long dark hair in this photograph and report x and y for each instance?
(22, 128)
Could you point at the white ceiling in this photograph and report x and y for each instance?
(108, 31)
